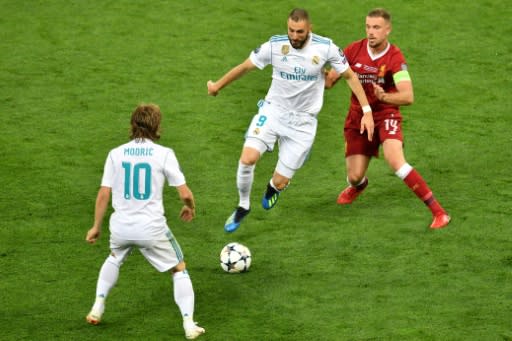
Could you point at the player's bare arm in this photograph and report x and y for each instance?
(356, 87)
(188, 211)
(403, 96)
(102, 201)
(232, 75)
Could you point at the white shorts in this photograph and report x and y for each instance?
(163, 253)
(294, 131)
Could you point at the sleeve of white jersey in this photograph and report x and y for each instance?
(108, 172)
(173, 173)
(337, 59)
(261, 56)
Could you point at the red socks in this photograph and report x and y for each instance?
(416, 183)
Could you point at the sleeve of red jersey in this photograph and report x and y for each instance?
(398, 62)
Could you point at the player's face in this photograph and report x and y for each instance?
(377, 31)
(298, 33)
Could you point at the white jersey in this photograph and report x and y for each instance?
(136, 172)
(297, 77)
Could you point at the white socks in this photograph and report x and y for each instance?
(183, 290)
(109, 274)
(99, 307)
(244, 180)
(184, 293)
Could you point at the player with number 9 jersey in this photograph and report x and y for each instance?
(288, 114)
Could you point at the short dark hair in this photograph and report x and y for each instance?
(299, 14)
(380, 13)
(145, 122)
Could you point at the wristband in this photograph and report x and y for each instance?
(366, 109)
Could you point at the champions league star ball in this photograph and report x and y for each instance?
(235, 258)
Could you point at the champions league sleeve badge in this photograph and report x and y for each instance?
(342, 55)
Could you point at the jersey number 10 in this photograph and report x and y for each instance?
(137, 185)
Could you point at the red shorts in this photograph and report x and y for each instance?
(388, 126)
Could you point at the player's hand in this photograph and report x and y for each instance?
(368, 125)
(187, 213)
(379, 92)
(212, 90)
(93, 235)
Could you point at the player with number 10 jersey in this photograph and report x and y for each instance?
(136, 172)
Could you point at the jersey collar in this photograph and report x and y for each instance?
(378, 55)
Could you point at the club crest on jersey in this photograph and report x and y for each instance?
(256, 131)
(285, 49)
(382, 71)
(316, 60)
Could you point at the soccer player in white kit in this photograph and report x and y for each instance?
(288, 114)
(135, 175)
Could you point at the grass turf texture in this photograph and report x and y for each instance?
(71, 73)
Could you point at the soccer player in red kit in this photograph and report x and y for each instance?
(382, 71)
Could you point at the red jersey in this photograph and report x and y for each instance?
(375, 69)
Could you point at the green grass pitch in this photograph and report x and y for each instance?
(72, 71)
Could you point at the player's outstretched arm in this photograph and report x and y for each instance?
(232, 75)
(102, 201)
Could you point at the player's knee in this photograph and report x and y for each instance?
(115, 260)
(396, 164)
(250, 156)
(181, 266)
(252, 151)
(248, 161)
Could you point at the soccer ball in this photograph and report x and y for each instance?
(235, 258)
